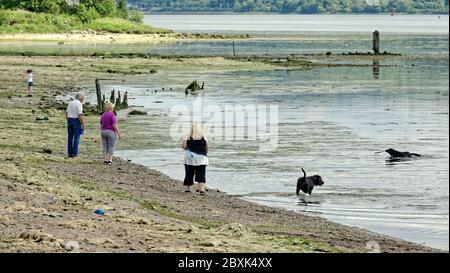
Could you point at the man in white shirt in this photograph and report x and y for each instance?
(75, 124)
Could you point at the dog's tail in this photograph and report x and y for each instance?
(298, 182)
(415, 154)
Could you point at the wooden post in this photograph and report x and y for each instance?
(119, 101)
(113, 96)
(99, 96)
(234, 51)
(376, 42)
(125, 100)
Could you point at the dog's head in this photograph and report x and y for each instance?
(390, 151)
(317, 180)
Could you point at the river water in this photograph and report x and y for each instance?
(332, 121)
(292, 25)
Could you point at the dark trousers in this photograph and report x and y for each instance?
(73, 130)
(199, 172)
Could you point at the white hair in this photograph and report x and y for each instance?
(79, 96)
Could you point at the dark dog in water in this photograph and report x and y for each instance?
(397, 154)
(306, 184)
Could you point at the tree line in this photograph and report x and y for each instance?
(86, 10)
(295, 6)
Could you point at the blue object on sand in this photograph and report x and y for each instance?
(100, 212)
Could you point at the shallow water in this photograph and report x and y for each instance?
(332, 122)
(408, 44)
(275, 35)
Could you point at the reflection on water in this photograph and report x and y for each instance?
(394, 160)
(376, 69)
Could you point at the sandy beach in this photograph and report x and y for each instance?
(48, 200)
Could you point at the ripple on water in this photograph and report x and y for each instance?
(332, 127)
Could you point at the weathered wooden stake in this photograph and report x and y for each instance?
(376, 42)
(119, 101)
(234, 51)
(113, 96)
(125, 100)
(99, 96)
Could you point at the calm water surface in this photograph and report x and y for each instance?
(291, 25)
(332, 121)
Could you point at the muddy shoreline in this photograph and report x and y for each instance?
(48, 200)
(119, 38)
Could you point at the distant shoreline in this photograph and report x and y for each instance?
(278, 13)
(89, 36)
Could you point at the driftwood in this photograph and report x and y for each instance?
(194, 87)
(137, 113)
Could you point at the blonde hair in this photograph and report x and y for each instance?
(196, 131)
(109, 106)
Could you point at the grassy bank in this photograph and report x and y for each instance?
(19, 21)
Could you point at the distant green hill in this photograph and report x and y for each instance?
(294, 6)
(57, 16)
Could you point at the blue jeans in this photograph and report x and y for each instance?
(73, 129)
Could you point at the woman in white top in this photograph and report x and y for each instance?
(195, 158)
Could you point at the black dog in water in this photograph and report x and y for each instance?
(306, 184)
(397, 154)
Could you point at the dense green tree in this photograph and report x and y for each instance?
(20, 4)
(119, 8)
(122, 9)
(296, 6)
(50, 6)
(401, 5)
(87, 10)
(105, 8)
(86, 14)
(136, 16)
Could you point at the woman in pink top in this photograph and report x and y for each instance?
(109, 132)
